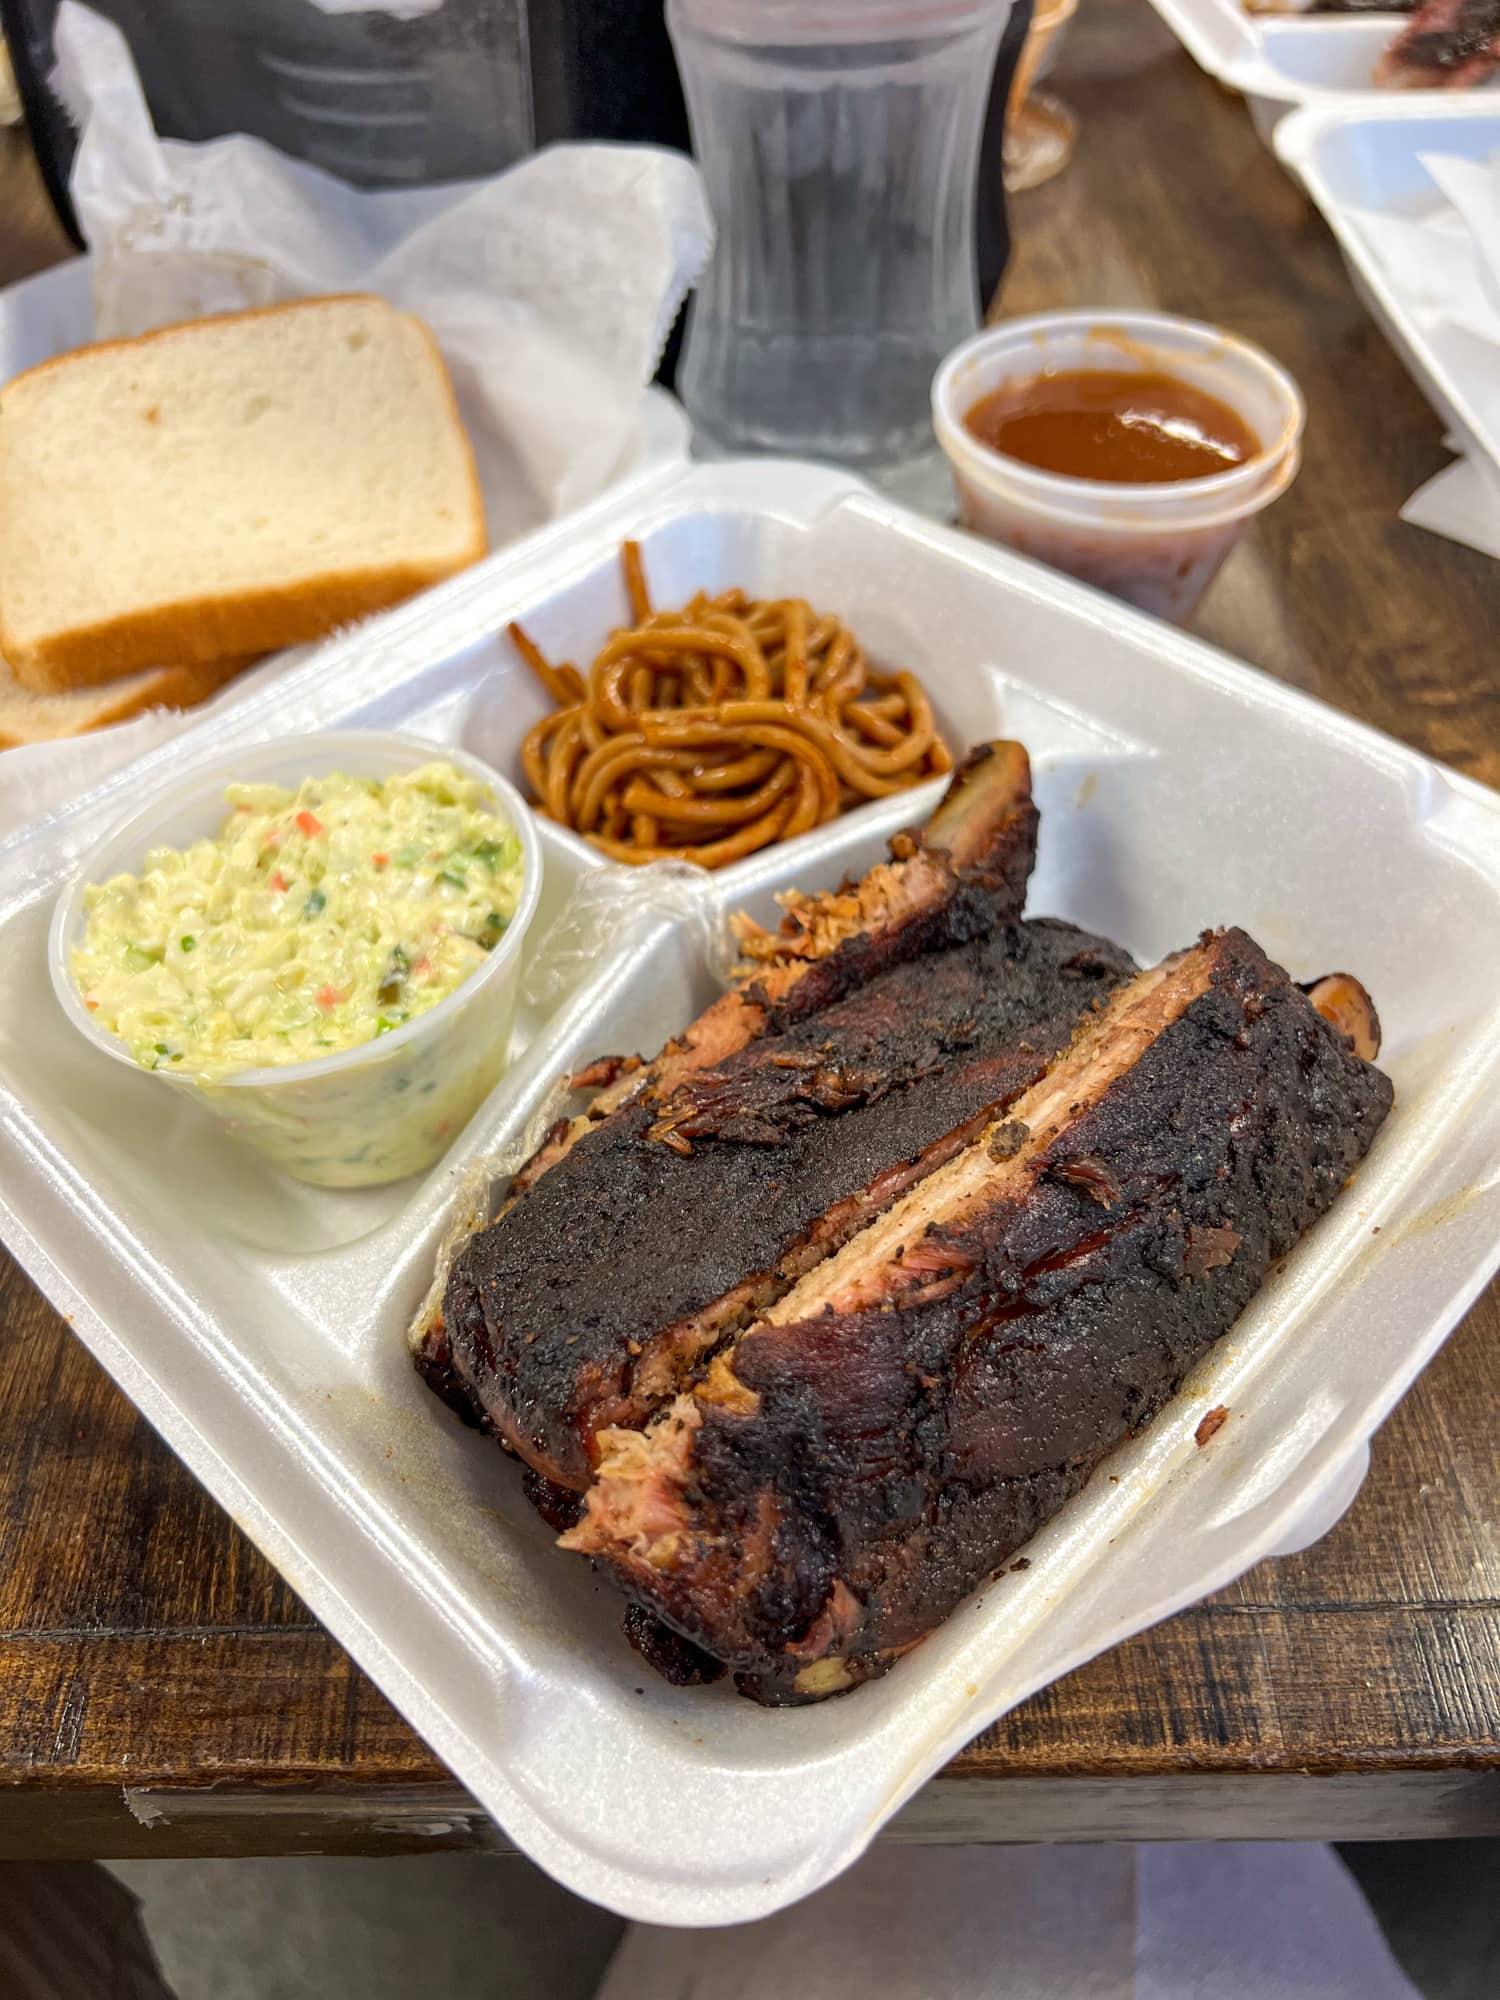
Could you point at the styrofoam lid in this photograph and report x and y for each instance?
(857, 22)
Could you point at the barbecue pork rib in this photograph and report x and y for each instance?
(948, 882)
(688, 1212)
(882, 1437)
(952, 880)
(1447, 45)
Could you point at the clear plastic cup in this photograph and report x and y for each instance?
(840, 144)
(366, 1115)
(1156, 545)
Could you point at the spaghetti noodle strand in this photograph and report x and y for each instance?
(635, 583)
(708, 732)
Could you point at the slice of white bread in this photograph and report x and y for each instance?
(226, 487)
(28, 717)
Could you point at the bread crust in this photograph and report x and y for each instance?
(160, 687)
(217, 626)
(200, 631)
(179, 327)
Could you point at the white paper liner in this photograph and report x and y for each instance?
(607, 900)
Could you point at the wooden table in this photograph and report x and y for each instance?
(163, 1692)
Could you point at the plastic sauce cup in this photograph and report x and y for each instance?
(1158, 545)
(360, 1116)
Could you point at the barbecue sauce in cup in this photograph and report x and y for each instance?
(1128, 449)
(1123, 427)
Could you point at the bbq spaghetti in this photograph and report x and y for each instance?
(706, 733)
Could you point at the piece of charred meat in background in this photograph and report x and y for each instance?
(1447, 45)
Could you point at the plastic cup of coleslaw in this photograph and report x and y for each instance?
(1157, 545)
(362, 1115)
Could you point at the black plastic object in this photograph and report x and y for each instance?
(463, 91)
(603, 69)
(991, 221)
(28, 37)
(380, 101)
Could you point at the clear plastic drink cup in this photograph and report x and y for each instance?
(839, 141)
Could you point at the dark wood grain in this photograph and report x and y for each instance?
(30, 235)
(162, 1691)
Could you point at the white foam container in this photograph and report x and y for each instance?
(1357, 167)
(1279, 61)
(259, 1324)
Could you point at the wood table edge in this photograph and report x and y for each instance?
(145, 1821)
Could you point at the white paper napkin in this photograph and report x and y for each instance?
(551, 289)
(1447, 264)
(1435, 263)
(1473, 189)
(1462, 502)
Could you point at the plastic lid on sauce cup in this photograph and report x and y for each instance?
(1236, 371)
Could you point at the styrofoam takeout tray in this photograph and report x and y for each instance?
(259, 1324)
(1278, 61)
(1360, 168)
